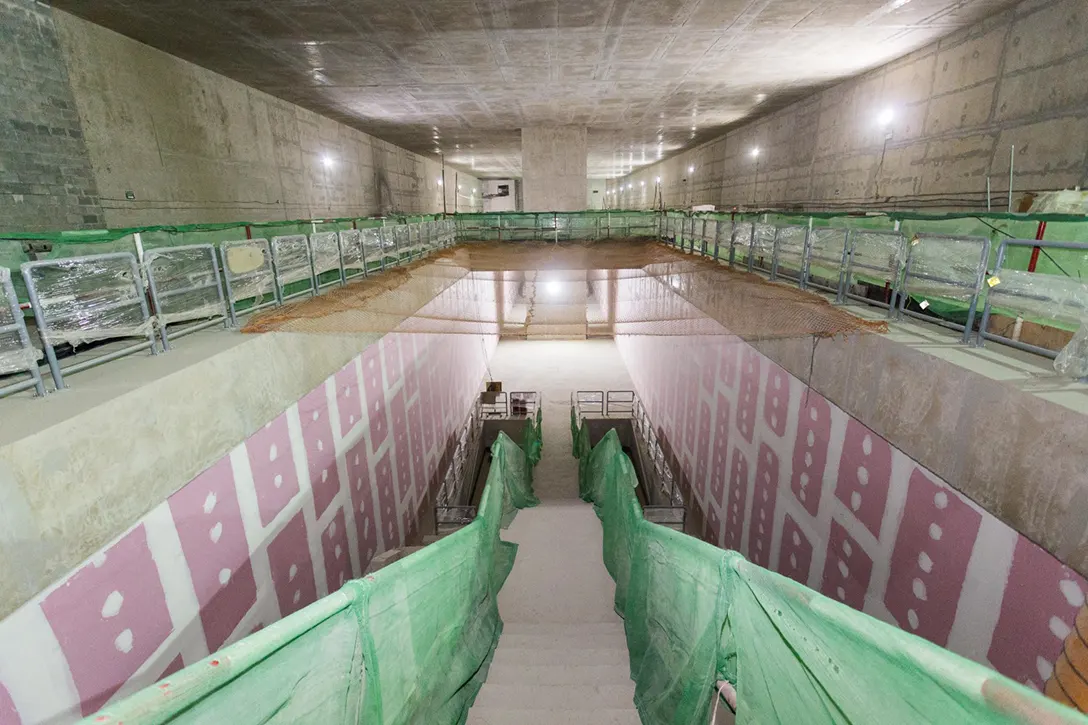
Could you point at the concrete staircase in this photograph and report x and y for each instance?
(562, 658)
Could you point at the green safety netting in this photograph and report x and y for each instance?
(696, 615)
(408, 644)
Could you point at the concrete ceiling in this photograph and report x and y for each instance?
(647, 77)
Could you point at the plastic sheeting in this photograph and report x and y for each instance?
(791, 245)
(696, 615)
(292, 257)
(1040, 297)
(248, 264)
(410, 643)
(325, 247)
(880, 252)
(186, 283)
(763, 241)
(1072, 361)
(351, 246)
(14, 355)
(85, 299)
(372, 247)
(945, 267)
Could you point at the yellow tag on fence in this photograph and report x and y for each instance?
(993, 281)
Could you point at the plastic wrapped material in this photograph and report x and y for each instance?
(403, 237)
(741, 240)
(696, 615)
(390, 246)
(186, 283)
(791, 246)
(763, 241)
(945, 267)
(372, 247)
(725, 236)
(247, 264)
(16, 353)
(351, 247)
(710, 234)
(292, 257)
(826, 248)
(85, 299)
(881, 253)
(325, 247)
(409, 643)
(1040, 297)
(1072, 361)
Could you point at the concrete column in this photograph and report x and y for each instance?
(553, 164)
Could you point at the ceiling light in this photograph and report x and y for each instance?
(328, 161)
(761, 97)
(440, 181)
(458, 187)
(659, 179)
(554, 288)
(886, 117)
(755, 152)
(691, 169)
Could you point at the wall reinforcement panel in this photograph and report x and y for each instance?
(284, 518)
(797, 485)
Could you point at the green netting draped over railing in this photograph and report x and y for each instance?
(696, 615)
(406, 645)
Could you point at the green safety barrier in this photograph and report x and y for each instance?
(410, 643)
(697, 615)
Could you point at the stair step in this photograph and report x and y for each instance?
(559, 674)
(563, 640)
(508, 655)
(553, 628)
(495, 716)
(547, 697)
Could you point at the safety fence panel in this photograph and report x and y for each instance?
(701, 622)
(402, 237)
(328, 268)
(826, 265)
(17, 353)
(81, 300)
(185, 285)
(761, 251)
(293, 265)
(248, 275)
(875, 257)
(1056, 300)
(941, 268)
(373, 249)
(390, 247)
(354, 256)
(740, 244)
(790, 253)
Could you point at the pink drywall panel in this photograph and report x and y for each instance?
(240, 545)
(796, 484)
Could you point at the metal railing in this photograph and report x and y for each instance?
(1061, 298)
(944, 266)
(201, 285)
(625, 404)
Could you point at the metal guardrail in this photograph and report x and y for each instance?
(625, 404)
(246, 276)
(1073, 292)
(907, 268)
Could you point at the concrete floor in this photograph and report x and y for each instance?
(562, 657)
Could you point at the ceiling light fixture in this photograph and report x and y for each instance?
(885, 117)
(755, 152)
(554, 288)
(328, 161)
(440, 181)
(691, 169)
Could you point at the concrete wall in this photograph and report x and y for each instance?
(45, 174)
(191, 145)
(553, 162)
(957, 107)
